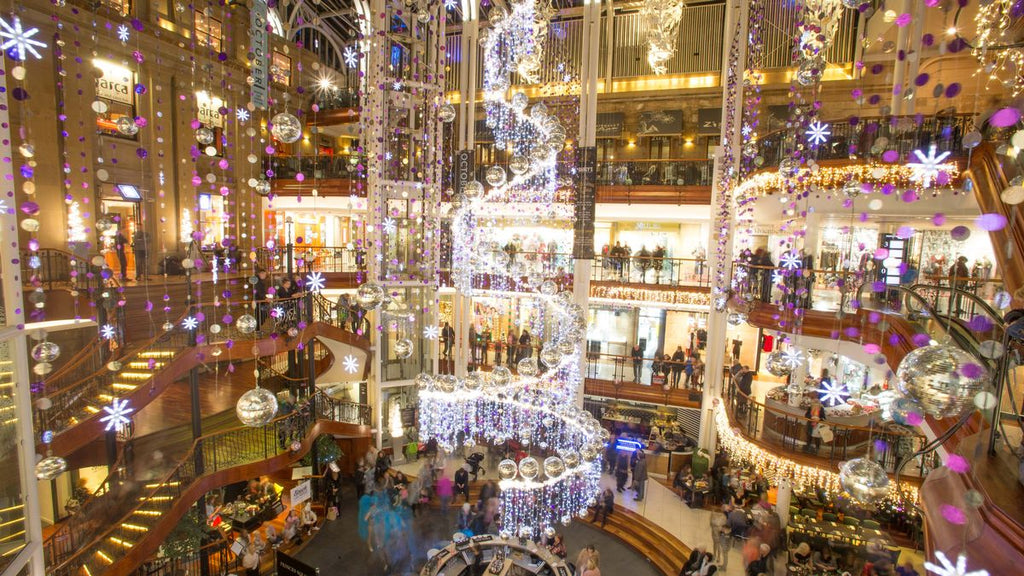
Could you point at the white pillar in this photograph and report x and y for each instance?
(899, 71)
(462, 305)
(735, 31)
(782, 499)
(32, 553)
(916, 44)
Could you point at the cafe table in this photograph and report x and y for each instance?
(856, 535)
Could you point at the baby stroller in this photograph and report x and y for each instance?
(474, 461)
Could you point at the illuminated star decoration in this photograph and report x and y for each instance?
(117, 414)
(948, 569)
(242, 114)
(449, 4)
(818, 133)
(122, 33)
(351, 56)
(388, 225)
(19, 39)
(315, 281)
(107, 332)
(776, 277)
(350, 363)
(793, 358)
(431, 332)
(832, 393)
(927, 168)
(276, 312)
(791, 261)
(397, 85)
(190, 323)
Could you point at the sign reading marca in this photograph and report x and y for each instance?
(115, 83)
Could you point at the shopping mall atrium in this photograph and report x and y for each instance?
(511, 287)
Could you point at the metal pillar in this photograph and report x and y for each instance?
(737, 12)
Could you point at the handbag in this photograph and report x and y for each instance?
(332, 513)
(825, 432)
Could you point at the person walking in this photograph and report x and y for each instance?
(640, 475)
(524, 345)
(678, 358)
(688, 370)
(140, 246)
(120, 243)
(720, 536)
(581, 559)
(447, 338)
(638, 362)
(621, 472)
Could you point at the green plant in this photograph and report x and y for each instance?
(186, 538)
(327, 450)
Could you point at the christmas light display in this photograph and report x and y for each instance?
(662, 19)
(538, 407)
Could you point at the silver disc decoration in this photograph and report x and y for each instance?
(942, 379)
(776, 364)
(256, 407)
(864, 480)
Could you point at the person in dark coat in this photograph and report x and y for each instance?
(638, 362)
(462, 483)
(120, 244)
(621, 472)
(678, 357)
(140, 246)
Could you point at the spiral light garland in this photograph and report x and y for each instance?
(539, 410)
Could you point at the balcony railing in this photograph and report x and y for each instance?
(885, 443)
(869, 138)
(637, 269)
(318, 167)
(655, 172)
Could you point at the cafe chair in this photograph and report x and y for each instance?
(794, 511)
(850, 521)
(809, 513)
(871, 524)
(829, 517)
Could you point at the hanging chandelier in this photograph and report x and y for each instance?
(816, 27)
(537, 407)
(662, 18)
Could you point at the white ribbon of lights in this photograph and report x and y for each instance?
(559, 479)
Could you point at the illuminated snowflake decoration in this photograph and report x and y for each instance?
(397, 85)
(927, 167)
(449, 4)
(350, 363)
(431, 332)
(315, 281)
(242, 114)
(190, 323)
(793, 358)
(948, 569)
(351, 56)
(791, 261)
(117, 414)
(389, 225)
(123, 34)
(776, 277)
(832, 393)
(107, 332)
(19, 39)
(818, 133)
(276, 312)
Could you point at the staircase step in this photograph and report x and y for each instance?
(123, 386)
(135, 375)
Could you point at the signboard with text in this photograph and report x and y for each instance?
(288, 566)
(258, 36)
(302, 492)
(586, 196)
(709, 121)
(465, 169)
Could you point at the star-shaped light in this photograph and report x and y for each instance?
(276, 312)
(389, 225)
(397, 85)
(350, 363)
(793, 358)
(20, 39)
(351, 56)
(818, 133)
(315, 281)
(948, 569)
(107, 332)
(449, 4)
(776, 277)
(241, 114)
(190, 323)
(791, 261)
(117, 414)
(832, 393)
(927, 167)
(431, 332)
(123, 34)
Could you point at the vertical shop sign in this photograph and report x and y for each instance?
(586, 194)
(465, 166)
(258, 33)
